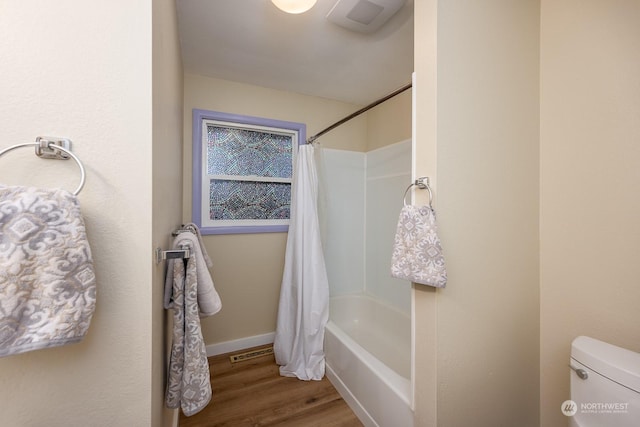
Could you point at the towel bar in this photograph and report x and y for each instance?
(183, 252)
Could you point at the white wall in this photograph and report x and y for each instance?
(388, 174)
(83, 70)
(360, 218)
(342, 205)
(590, 152)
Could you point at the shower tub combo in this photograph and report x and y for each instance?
(368, 336)
(368, 359)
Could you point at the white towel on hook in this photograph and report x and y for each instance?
(195, 230)
(209, 302)
(417, 252)
(47, 281)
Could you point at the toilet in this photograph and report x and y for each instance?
(605, 385)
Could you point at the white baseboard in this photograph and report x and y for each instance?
(240, 344)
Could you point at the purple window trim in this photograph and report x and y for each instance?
(196, 205)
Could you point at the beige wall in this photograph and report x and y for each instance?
(166, 153)
(83, 70)
(247, 268)
(390, 121)
(237, 98)
(424, 301)
(481, 64)
(487, 157)
(590, 152)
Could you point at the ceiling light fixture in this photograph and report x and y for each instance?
(294, 6)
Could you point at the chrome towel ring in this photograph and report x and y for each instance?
(422, 183)
(48, 149)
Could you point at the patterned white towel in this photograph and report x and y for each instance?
(189, 383)
(417, 252)
(47, 281)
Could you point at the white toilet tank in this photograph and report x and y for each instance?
(605, 385)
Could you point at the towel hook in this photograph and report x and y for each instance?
(46, 148)
(422, 183)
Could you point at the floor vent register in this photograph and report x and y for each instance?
(241, 357)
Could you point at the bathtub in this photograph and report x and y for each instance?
(368, 359)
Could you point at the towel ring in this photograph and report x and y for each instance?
(422, 183)
(45, 144)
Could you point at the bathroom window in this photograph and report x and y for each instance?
(242, 172)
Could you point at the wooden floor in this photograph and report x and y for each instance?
(252, 393)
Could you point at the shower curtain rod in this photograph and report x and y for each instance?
(311, 139)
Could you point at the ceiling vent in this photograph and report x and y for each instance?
(364, 16)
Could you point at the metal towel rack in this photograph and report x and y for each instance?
(184, 252)
(423, 184)
(161, 255)
(53, 148)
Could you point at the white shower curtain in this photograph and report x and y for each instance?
(304, 296)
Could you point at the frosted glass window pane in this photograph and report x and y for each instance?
(243, 172)
(245, 152)
(237, 200)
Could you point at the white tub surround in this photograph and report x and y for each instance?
(367, 346)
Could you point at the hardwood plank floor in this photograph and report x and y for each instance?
(252, 393)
